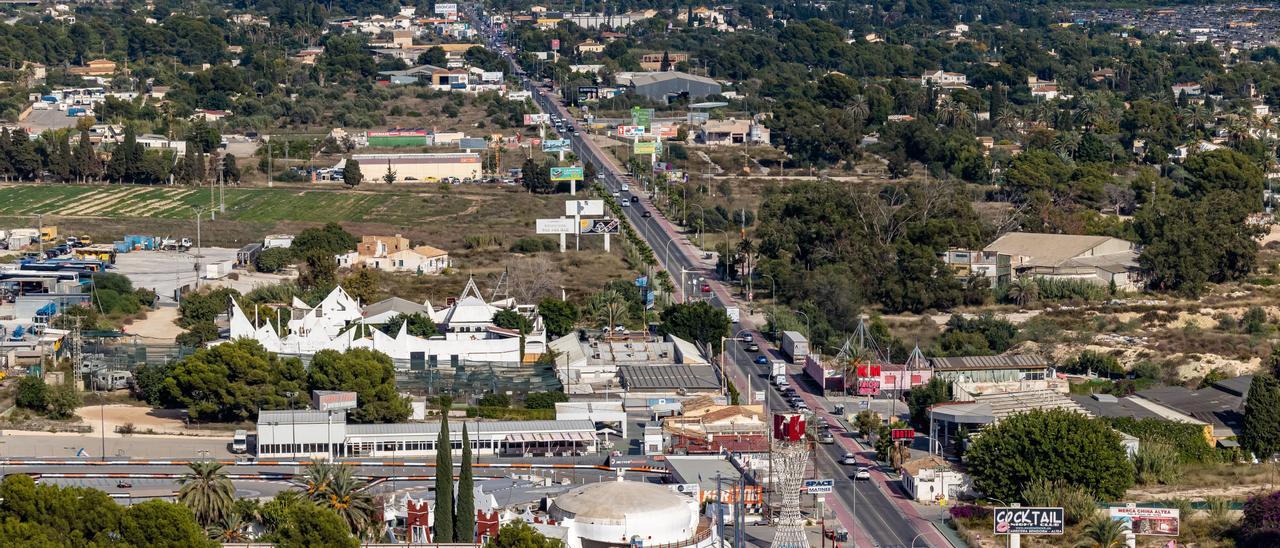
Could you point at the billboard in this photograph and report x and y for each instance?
(599, 226)
(645, 147)
(566, 174)
(331, 400)
(446, 9)
(491, 76)
(584, 208)
(555, 44)
(555, 145)
(902, 434)
(472, 143)
(1028, 521)
(531, 119)
(868, 388)
(665, 131)
(698, 117)
(819, 486)
(630, 131)
(1162, 522)
(555, 226)
(641, 116)
(588, 93)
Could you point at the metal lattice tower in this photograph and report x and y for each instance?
(789, 462)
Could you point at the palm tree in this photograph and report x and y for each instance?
(1066, 143)
(207, 492)
(1104, 532)
(347, 497)
(232, 528)
(858, 108)
(609, 308)
(316, 478)
(1024, 291)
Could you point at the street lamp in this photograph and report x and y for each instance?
(293, 423)
(808, 334)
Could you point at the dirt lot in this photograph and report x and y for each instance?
(143, 419)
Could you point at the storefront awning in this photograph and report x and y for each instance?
(549, 437)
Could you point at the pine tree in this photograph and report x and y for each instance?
(666, 62)
(1261, 430)
(6, 155)
(390, 176)
(59, 157)
(464, 524)
(23, 155)
(351, 175)
(443, 520)
(85, 161)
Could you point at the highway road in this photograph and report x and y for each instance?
(877, 515)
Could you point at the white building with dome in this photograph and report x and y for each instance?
(629, 513)
(467, 332)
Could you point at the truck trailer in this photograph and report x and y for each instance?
(795, 346)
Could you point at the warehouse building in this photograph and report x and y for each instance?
(308, 432)
(428, 167)
(664, 86)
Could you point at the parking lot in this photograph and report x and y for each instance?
(164, 271)
(40, 121)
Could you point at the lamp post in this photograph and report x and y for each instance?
(808, 333)
(293, 423)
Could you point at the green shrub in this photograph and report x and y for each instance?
(481, 241)
(1089, 361)
(274, 259)
(1187, 440)
(1054, 289)
(495, 400)
(1156, 463)
(544, 400)
(534, 245)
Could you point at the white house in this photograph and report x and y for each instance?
(932, 479)
(943, 79)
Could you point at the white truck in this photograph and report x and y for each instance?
(795, 346)
(734, 314)
(777, 367)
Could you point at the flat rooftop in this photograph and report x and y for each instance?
(669, 377)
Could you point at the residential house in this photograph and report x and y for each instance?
(210, 115)
(395, 254)
(308, 56)
(704, 427)
(966, 263)
(1045, 92)
(160, 142)
(402, 38)
(590, 46)
(932, 479)
(610, 36)
(1097, 259)
(944, 79)
(653, 61)
(733, 132)
(1190, 89)
(96, 67)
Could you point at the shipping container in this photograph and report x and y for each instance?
(795, 346)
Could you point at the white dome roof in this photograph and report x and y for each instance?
(614, 511)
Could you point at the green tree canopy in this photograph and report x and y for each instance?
(558, 316)
(231, 381)
(368, 373)
(1261, 430)
(420, 325)
(304, 524)
(518, 534)
(508, 318)
(331, 239)
(699, 322)
(1049, 445)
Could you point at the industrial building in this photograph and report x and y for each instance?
(315, 433)
(663, 86)
(428, 167)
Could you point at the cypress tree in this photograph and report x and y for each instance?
(443, 520)
(464, 525)
(1261, 431)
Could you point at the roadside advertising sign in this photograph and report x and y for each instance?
(1149, 521)
(698, 117)
(664, 131)
(555, 226)
(531, 119)
(902, 434)
(645, 147)
(445, 9)
(555, 145)
(599, 226)
(868, 388)
(584, 208)
(472, 143)
(1029, 520)
(588, 93)
(491, 76)
(630, 131)
(555, 44)
(819, 486)
(566, 174)
(641, 117)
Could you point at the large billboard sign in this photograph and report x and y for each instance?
(630, 131)
(1162, 522)
(868, 387)
(645, 147)
(491, 76)
(531, 119)
(555, 145)
(819, 486)
(555, 226)
(1029, 520)
(584, 208)
(599, 226)
(446, 9)
(641, 116)
(472, 143)
(566, 174)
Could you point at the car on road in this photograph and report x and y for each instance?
(124, 485)
(863, 473)
(706, 288)
(753, 347)
(635, 199)
(626, 203)
(761, 360)
(849, 459)
(747, 337)
(626, 187)
(824, 436)
(617, 194)
(646, 214)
